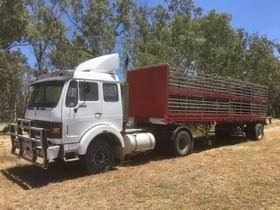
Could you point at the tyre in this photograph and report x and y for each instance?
(258, 132)
(182, 144)
(99, 157)
(255, 131)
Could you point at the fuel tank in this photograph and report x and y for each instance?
(139, 142)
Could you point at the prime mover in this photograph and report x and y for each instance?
(89, 114)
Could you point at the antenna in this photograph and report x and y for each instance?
(125, 67)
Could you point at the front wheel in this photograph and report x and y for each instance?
(99, 157)
(182, 144)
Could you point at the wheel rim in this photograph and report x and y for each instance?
(100, 157)
(182, 143)
(259, 132)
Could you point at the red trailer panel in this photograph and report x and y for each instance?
(174, 97)
(148, 88)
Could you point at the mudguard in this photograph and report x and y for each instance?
(179, 128)
(89, 136)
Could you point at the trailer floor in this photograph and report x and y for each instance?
(236, 174)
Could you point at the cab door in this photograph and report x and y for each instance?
(112, 104)
(83, 109)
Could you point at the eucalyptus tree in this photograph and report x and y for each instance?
(13, 23)
(44, 29)
(13, 32)
(94, 27)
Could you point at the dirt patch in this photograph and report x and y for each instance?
(237, 173)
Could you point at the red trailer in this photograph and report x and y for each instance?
(167, 98)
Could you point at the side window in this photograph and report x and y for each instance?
(110, 92)
(88, 91)
(72, 94)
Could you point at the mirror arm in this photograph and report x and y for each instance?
(78, 106)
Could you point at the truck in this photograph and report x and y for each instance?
(88, 114)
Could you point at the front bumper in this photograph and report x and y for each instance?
(31, 144)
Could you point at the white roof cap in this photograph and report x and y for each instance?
(103, 64)
(102, 68)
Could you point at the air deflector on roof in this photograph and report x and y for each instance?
(103, 64)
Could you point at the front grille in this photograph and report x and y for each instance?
(48, 126)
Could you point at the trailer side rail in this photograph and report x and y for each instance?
(196, 96)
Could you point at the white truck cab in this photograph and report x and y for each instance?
(81, 112)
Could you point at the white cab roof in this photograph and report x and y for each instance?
(96, 76)
(102, 68)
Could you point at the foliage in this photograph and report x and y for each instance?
(13, 22)
(64, 33)
(13, 71)
(44, 29)
(94, 27)
(13, 68)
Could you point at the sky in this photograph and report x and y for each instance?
(255, 16)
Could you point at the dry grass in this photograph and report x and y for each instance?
(237, 174)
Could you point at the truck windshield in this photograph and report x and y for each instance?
(46, 94)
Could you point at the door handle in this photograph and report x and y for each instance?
(97, 114)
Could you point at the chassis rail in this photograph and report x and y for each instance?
(29, 143)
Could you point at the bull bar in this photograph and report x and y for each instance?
(31, 143)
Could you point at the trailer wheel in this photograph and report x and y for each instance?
(255, 131)
(182, 144)
(258, 131)
(99, 157)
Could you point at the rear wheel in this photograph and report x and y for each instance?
(258, 131)
(99, 157)
(182, 144)
(255, 131)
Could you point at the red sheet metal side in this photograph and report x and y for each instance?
(214, 95)
(212, 117)
(148, 91)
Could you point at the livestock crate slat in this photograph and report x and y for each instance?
(205, 82)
